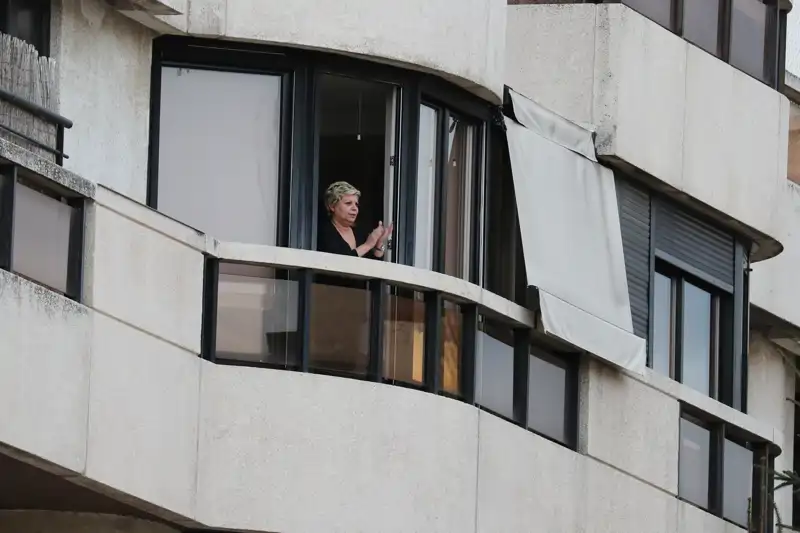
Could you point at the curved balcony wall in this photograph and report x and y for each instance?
(461, 40)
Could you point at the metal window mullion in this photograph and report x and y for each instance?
(677, 313)
(716, 484)
(378, 290)
(208, 335)
(8, 182)
(724, 38)
(405, 232)
(433, 335)
(305, 281)
(676, 9)
(469, 332)
(75, 250)
(521, 369)
(738, 358)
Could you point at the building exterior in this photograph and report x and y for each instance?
(587, 320)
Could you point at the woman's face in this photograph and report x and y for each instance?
(346, 210)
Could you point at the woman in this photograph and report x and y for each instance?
(341, 235)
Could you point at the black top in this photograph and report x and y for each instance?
(330, 240)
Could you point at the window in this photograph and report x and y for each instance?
(794, 143)
(748, 38)
(552, 396)
(495, 368)
(28, 20)
(41, 231)
(686, 331)
(452, 347)
(720, 471)
(257, 313)
(458, 192)
(218, 154)
(427, 162)
(404, 336)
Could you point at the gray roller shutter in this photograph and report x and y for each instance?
(634, 218)
(693, 241)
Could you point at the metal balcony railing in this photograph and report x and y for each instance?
(59, 122)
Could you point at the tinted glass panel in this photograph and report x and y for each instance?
(659, 11)
(219, 152)
(41, 237)
(701, 23)
(794, 143)
(459, 180)
(339, 326)
(452, 336)
(748, 36)
(738, 476)
(404, 336)
(694, 459)
(696, 335)
(662, 324)
(495, 377)
(257, 311)
(28, 20)
(547, 395)
(426, 180)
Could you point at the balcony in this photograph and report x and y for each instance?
(664, 109)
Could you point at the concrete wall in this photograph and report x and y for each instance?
(659, 103)
(460, 39)
(104, 74)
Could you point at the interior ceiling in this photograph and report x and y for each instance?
(26, 487)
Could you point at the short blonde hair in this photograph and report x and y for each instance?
(336, 191)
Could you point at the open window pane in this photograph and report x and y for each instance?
(697, 332)
(659, 11)
(749, 36)
(694, 460)
(459, 182)
(426, 181)
(41, 237)
(547, 398)
(404, 337)
(738, 478)
(701, 23)
(662, 325)
(257, 311)
(495, 376)
(451, 350)
(356, 142)
(339, 326)
(219, 146)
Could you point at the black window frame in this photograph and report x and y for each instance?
(12, 176)
(774, 38)
(299, 195)
(8, 22)
(762, 474)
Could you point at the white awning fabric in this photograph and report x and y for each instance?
(571, 236)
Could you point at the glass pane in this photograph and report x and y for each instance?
(219, 146)
(701, 23)
(257, 310)
(356, 141)
(404, 340)
(696, 346)
(547, 396)
(662, 324)
(738, 479)
(495, 364)
(459, 179)
(659, 11)
(794, 143)
(426, 179)
(339, 326)
(748, 36)
(452, 335)
(694, 459)
(41, 237)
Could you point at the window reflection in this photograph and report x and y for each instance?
(257, 311)
(404, 337)
(547, 398)
(459, 182)
(426, 181)
(495, 368)
(738, 476)
(662, 325)
(749, 36)
(339, 326)
(696, 338)
(452, 338)
(694, 461)
(701, 23)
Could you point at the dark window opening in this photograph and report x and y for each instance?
(27, 20)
